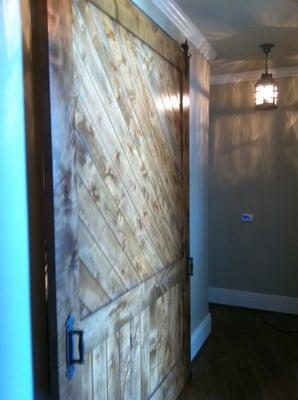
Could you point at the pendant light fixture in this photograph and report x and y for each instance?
(266, 87)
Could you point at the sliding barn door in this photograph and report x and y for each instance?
(120, 180)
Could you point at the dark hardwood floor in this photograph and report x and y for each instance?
(247, 356)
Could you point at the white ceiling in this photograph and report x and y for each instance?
(235, 28)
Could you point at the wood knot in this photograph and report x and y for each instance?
(95, 194)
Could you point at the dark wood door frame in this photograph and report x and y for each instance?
(39, 181)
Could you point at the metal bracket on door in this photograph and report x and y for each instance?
(70, 334)
(185, 48)
(190, 265)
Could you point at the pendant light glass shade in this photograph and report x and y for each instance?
(266, 88)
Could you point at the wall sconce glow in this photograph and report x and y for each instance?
(266, 87)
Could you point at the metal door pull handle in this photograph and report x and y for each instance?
(70, 334)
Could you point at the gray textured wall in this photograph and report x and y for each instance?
(253, 166)
(199, 134)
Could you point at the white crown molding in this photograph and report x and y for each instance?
(200, 335)
(185, 25)
(221, 79)
(259, 301)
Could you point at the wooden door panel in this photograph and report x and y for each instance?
(98, 264)
(111, 176)
(142, 329)
(147, 62)
(106, 138)
(104, 57)
(128, 209)
(151, 123)
(105, 321)
(125, 346)
(137, 352)
(105, 204)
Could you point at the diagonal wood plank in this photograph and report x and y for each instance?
(96, 224)
(104, 201)
(111, 55)
(98, 264)
(91, 293)
(88, 96)
(168, 80)
(145, 61)
(112, 179)
(162, 105)
(126, 89)
(165, 103)
(84, 311)
(126, 144)
(172, 78)
(128, 45)
(162, 149)
(171, 90)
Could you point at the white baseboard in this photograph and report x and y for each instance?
(200, 334)
(259, 301)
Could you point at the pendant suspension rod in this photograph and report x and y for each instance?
(266, 47)
(266, 63)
